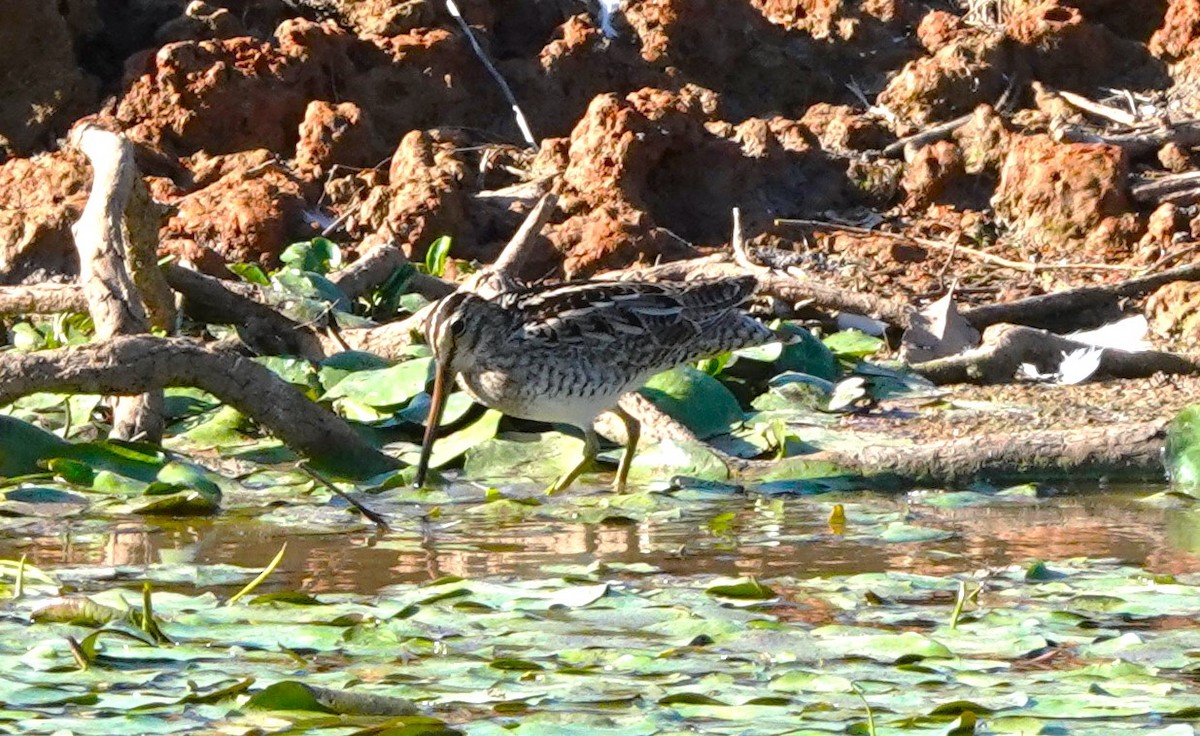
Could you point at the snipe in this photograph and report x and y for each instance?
(567, 352)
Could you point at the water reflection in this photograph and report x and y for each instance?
(759, 539)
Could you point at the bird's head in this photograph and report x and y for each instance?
(451, 335)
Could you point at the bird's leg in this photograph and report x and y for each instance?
(591, 448)
(633, 432)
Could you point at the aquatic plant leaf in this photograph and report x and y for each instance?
(695, 399)
(745, 590)
(541, 457)
(24, 447)
(668, 458)
(852, 345)
(319, 255)
(336, 367)
(384, 387)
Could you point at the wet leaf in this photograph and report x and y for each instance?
(384, 387)
(852, 345)
(25, 447)
(745, 590)
(695, 399)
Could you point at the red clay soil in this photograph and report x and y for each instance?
(262, 123)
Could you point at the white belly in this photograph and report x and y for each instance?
(527, 400)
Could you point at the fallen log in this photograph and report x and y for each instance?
(126, 366)
(779, 285)
(41, 299)
(1121, 452)
(263, 329)
(377, 265)
(1050, 310)
(1006, 347)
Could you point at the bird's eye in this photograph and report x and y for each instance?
(458, 327)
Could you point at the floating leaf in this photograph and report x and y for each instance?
(669, 458)
(745, 590)
(384, 387)
(336, 367)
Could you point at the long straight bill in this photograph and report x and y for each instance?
(437, 406)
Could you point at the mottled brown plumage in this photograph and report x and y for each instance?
(567, 352)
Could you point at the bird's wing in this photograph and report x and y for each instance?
(600, 312)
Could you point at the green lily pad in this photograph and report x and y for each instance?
(384, 387)
(661, 461)
(336, 367)
(695, 399)
(24, 447)
(456, 444)
(541, 457)
(852, 345)
(742, 590)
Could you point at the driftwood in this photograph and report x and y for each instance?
(132, 365)
(113, 298)
(502, 274)
(1100, 110)
(916, 141)
(1180, 189)
(41, 299)
(377, 265)
(1052, 310)
(1135, 143)
(143, 218)
(387, 341)
(779, 285)
(205, 299)
(1119, 452)
(911, 143)
(1006, 347)
(957, 249)
(262, 328)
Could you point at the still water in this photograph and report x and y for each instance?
(738, 535)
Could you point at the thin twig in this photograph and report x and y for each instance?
(1107, 112)
(738, 243)
(375, 518)
(941, 130)
(508, 93)
(1169, 258)
(973, 252)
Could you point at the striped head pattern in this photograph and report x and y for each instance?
(456, 325)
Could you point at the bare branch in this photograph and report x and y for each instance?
(133, 365)
(1006, 347)
(113, 299)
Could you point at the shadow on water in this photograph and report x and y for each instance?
(743, 535)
